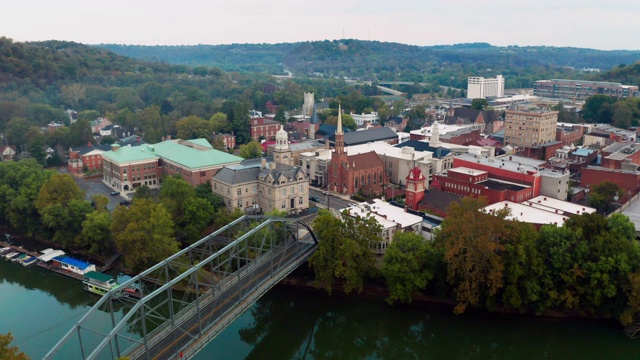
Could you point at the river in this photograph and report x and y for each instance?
(39, 307)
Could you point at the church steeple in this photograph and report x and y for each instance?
(339, 130)
(339, 134)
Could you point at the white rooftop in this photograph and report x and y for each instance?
(49, 254)
(507, 162)
(384, 148)
(466, 170)
(528, 214)
(563, 207)
(442, 129)
(361, 211)
(395, 213)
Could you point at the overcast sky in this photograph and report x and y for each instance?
(606, 25)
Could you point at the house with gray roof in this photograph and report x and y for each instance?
(263, 185)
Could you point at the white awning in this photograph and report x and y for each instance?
(50, 255)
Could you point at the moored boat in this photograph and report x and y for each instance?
(29, 261)
(4, 251)
(19, 257)
(11, 255)
(99, 283)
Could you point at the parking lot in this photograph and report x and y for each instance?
(96, 186)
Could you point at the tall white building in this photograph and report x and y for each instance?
(481, 88)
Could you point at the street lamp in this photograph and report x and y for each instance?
(586, 192)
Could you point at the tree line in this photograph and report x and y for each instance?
(51, 206)
(590, 266)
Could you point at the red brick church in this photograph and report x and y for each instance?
(362, 173)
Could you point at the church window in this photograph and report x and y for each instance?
(368, 179)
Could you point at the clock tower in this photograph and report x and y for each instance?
(415, 188)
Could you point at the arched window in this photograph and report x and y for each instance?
(356, 182)
(368, 179)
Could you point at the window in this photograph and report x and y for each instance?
(239, 191)
(215, 186)
(269, 191)
(300, 200)
(300, 188)
(293, 190)
(284, 205)
(284, 192)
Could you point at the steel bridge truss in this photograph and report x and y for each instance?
(177, 306)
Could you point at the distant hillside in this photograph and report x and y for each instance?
(371, 60)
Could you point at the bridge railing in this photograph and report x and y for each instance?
(183, 284)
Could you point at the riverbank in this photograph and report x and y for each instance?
(376, 292)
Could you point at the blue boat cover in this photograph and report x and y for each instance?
(73, 262)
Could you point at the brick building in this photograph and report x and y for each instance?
(125, 168)
(262, 128)
(470, 182)
(350, 174)
(614, 155)
(569, 135)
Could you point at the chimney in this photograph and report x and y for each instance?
(115, 147)
(138, 138)
(272, 165)
(169, 137)
(263, 163)
(89, 144)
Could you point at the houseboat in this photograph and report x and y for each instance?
(73, 265)
(99, 283)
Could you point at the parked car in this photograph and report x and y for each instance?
(114, 193)
(125, 202)
(325, 193)
(314, 198)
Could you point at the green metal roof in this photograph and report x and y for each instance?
(98, 276)
(171, 150)
(201, 142)
(189, 157)
(128, 154)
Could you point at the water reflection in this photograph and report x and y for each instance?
(289, 324)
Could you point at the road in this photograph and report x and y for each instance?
(331, 201)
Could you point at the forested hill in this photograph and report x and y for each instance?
(383, 61)
(49, 62)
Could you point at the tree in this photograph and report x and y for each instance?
(602, 196)
(193, 127)
(472, 241)
(80, 133)
(408, 266)
(198, 215)
(175, 192)
(204, 191)
(62, 207)
(251, 150)
(96, 233)
(143, 233)
(479, 104)
(622, 114)
(218, 123)
(16, 131)
(597, 107)
(343, 252)
(8, 352)
(35, 144)
(143, 192)
(72, 94)
(280, 115)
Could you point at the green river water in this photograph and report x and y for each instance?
(39, 307)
